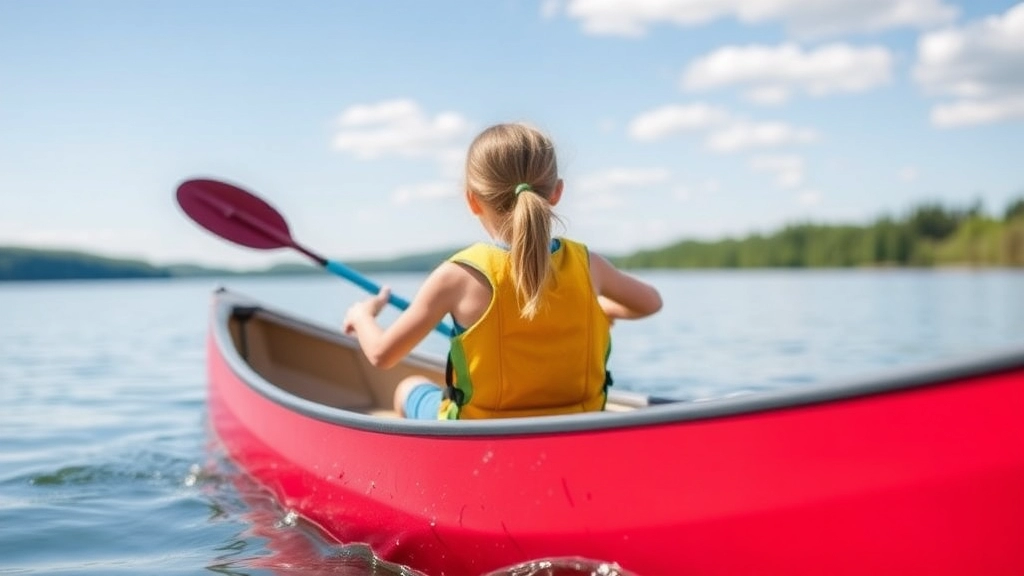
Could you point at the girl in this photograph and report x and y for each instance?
(532, 313)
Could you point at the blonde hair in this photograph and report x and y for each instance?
(500, 160)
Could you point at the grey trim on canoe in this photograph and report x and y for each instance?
(226, 302)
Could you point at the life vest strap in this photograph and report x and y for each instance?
(451, 391)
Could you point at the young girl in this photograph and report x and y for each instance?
(532, 313)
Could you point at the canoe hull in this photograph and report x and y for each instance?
(927, 479)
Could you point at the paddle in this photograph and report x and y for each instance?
(245, 219)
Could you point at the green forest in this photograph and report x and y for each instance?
(929, 235)
(34, 264)
(31, 264)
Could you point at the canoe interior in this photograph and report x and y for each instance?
(326, 367)
(322, 368)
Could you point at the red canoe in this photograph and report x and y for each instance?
(918, 472)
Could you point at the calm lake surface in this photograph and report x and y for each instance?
(107, 465)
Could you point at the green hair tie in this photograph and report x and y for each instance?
(524, 187)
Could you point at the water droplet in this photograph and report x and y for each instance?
(194, 474)
(290, 519)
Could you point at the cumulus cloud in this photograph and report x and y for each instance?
(772, 73)
(425, 191)
(685, 193)
(673, 119)
(788, 169)
(809, 197)
(605, 189)
(804, 18)
(399, 128)
(618, 178)
(980, 66)
(981, 111)
(724, 131)
(907, 174)
(550, 8)
(744, 135)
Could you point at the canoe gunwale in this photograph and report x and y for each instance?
(226, 302)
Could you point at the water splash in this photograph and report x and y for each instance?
(563, 567)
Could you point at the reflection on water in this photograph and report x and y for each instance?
(281, 543)
(272, 541)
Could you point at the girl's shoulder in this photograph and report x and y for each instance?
(454, 273)
(477, 251)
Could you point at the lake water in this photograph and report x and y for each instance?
(107, 465)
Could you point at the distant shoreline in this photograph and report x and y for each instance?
(316, 272)
(31, 264)
(929, 236)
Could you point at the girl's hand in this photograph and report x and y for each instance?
(612, 309)
(621, 295)
(365, 310)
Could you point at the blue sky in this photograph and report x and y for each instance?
(673, 118)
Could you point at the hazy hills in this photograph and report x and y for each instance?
(17, 263)
(929, 235)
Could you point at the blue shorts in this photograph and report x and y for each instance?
(423, 402)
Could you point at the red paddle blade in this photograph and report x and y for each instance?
(234, 214)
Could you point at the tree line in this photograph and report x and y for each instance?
(928, 235)
(31, 264)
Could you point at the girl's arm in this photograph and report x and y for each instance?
(385, 347)
(621, 295)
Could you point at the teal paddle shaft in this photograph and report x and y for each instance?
(335, 267)
(240, 216)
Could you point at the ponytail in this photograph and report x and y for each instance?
(530, 249)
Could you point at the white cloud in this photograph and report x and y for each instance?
(809, 198)
(768, 94)
(724, 131)
(451, 162)
(971, 112)
(399, 128)
(980, 65)
(685, 193)
(788, 169)
(772, 73)
(425, 191)
(743, 135)
(907, 174)
(550, 8)
(605, 189)
(806, 18)
(667, 120)
(623, 178)
(711, 185)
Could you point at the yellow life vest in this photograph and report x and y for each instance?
(555, 363)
